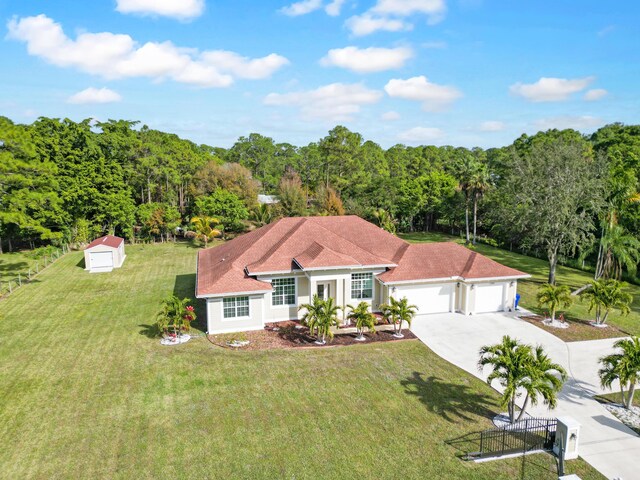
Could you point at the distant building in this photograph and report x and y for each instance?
(268, 199)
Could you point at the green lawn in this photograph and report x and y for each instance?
(13, 263)
(539, 269)
(86, 394)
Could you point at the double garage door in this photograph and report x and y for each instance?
(440, 298)
(429, 298)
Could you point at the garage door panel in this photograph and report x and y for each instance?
(489, 298)
(428, 298)
(101, 259)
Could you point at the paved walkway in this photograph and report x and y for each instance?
(605, 442)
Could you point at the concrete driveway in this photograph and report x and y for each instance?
(605, 442)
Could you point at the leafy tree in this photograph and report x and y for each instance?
(224, 205)
(605, 296)
(329, 202)
(206, 228)
(553, 297)
(362, 318)
(232, 177)
(292, 197)
(551, 194)
(519, 368)
(257, 153)
(340, 151)
(398, 311)
(623, 367)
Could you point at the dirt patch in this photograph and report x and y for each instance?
(578, 330)
(294, 335)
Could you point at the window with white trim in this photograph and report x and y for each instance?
(235, 307)
(362, 285)
(284, 291)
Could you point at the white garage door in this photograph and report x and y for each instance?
(489, 298)
(101, 260)
(428, 298)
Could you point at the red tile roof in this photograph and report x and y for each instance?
(108, 240)
(330, 242)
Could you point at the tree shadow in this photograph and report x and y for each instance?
(149, 331)
(451, 401)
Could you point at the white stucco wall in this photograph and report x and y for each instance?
(118, 255)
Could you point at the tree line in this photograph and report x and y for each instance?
(559, 195)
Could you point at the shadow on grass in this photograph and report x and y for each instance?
(81, 264)
(185, 287)
(149, 331)
(449, 400)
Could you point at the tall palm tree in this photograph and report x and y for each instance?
(465, 169)
(478, 183)
(618, 250)
(521, 369)
(543, 378)
(362, 318)
(206, 228)
(554, 296)
(624, 367)
(605, 296)
(398, 311)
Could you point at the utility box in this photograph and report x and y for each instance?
(569, 477)
(567, 438)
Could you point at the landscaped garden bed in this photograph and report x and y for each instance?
(630, 417)
(577, 330)
(293, 334)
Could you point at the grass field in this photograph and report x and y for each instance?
(85, 393)
(539, 270)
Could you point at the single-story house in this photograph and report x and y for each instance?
(265, 275)
(104, 254)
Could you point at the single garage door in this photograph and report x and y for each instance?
(489, 298)
(100, 260)
(428, 298)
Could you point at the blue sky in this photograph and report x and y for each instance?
(458, 72)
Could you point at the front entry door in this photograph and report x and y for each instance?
(323, 290)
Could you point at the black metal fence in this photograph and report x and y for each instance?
(532, 434)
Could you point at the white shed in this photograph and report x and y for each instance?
(104, 254)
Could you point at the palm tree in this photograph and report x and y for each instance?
(519, 368)
(618, 250)
(478, 183)
(262, 214)
(384, 220)
(362, 318)
(605, 296)
(554, 296)
(176, 314)
(398, 311)
(205, 228)
(623, 367)
(543, 378)
(466, 168)
(320, 316)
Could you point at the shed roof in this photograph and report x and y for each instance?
(108, 241)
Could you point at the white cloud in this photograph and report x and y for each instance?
(94, 95)
(550, 89)
(434, 9)
(182, 9)
(595, 94)
(390, 116)
(491, 126)
(584, 122)
(335, 102)
(334, 8)
(361, 25)
(367, 60)
(418, 135)
(114, 56)
(301, 8)
(433, 97)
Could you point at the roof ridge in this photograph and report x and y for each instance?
(296, 226)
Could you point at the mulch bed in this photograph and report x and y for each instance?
(578, 331)
(289, 335)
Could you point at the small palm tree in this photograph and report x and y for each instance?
(262, 214)
(554, 296)
(519, 368)
(384, 220)
(623, 367)
(398, 311)
(314, 311)
(206, 228)
(320, 316)
(362, 318)
(605, 296)
(176, 315)
(618, 250)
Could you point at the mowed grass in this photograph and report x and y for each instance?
(539, 270)
(85, 393)
(13, 263)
